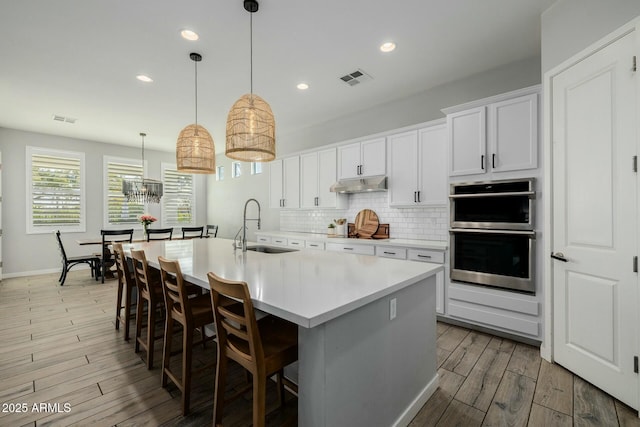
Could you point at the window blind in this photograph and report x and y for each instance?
(178, 199)
(56, 191)
(119, 210)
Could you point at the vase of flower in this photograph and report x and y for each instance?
(146, 220)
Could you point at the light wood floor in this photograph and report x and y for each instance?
(58, 346)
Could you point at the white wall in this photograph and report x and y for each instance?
(569, 26)
(31, 253)
(226, 198)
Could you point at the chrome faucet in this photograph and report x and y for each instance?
(244, 223)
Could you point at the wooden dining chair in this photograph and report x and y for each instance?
(126, 287)
(93, 261)
(262, 347)
(159, 234)
(212, 230)
(108, 237)
(150, 291)
(192, 232)
(191, 313)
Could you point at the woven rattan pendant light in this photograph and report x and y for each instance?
(143, 190)
(195, 151)
(251, 128)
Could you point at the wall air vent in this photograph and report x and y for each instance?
(356, 77)
(64, 119)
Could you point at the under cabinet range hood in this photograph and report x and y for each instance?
(360, 185)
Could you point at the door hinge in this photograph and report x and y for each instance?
(635, 164)
(635, 67)
(635, 264)
(635, 364)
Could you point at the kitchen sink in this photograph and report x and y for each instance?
(270, 249)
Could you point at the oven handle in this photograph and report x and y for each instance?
(531, 234)
(511, 193)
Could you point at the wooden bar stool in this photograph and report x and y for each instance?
(149, 290)
(126, 285)
(191, 313)
(262, 347)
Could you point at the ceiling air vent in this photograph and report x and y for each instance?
(64, 119)
(356, 77)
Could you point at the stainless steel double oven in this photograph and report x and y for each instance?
(492, 233)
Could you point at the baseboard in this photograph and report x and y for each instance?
(417, 404)
(32, 273)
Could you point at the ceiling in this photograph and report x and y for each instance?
(79, 59)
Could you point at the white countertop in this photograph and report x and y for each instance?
(306, 287)
(318, 237)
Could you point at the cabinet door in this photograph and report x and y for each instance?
(403, 169)
(276, 176)
(374, 157)
(291, 187)
(327, 176)
(349, 161)
(467, 142)
(432, 169)
(513, 134)
(309, 180)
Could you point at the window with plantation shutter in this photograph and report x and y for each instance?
(178, 202)
(118, 211)
(56, 188)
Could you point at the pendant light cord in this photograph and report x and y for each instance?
(196, 65)
(251, 50)
(143, 135)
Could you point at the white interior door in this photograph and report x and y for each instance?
(595, 220)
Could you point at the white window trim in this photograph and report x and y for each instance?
(164, 166)
(105, 190)
(80, 228)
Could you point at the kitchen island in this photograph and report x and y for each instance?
(366, 325)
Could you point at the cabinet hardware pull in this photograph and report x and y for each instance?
(418, 197)
(348, 249)
(559, 256)
(493, 160)
(482, 162)
(389, 253)
(424, 256)
(415, 197)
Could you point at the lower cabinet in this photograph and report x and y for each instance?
(352, 249)
(496, 309)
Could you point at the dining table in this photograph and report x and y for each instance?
(366, 324)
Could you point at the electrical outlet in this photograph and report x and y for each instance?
(392, 309)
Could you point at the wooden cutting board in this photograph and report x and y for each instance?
(366, 224)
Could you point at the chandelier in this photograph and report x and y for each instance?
(251, 128)
(142, 190)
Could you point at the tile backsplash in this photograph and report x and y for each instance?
(406, 223)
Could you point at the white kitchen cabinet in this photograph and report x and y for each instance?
(362, 159)
(284, 183)
(467, 141)
(318, 171)
(417, 167)
(436, 257)
(391, 252)
(498, 136)
(352, 249)
(506, 311)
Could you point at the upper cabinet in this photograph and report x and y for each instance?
(284, 183)
(318, 173)
(362, 159)
(498, 136)
(418, 167)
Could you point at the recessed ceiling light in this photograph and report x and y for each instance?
(144, 78)
(189, 35)
(387, 47)
(302, 86)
